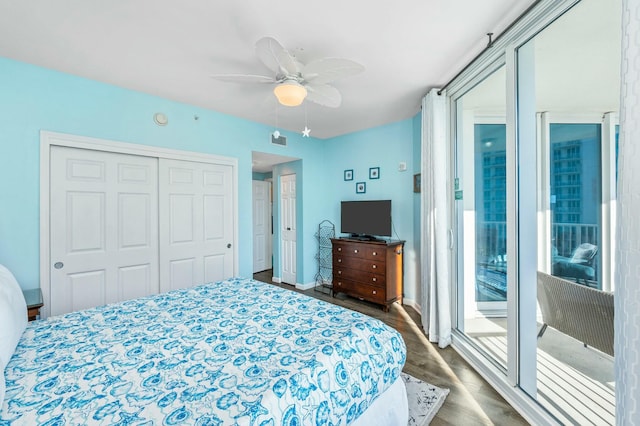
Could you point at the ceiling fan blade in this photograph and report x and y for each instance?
(243, 78)
(324, 95)
(275, 57)
(327, 70)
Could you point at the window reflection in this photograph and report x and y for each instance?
(575, 201)
(491, 212)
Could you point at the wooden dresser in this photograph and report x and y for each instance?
(368, 270)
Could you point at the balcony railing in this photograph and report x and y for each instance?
(491, 243)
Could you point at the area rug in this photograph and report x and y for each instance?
(424, 400)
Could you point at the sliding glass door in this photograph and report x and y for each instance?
(568, 90)
(535, 147)
(481, 215)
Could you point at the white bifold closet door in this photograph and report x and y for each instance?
(196, 222)
(103, 227)
(124, 226)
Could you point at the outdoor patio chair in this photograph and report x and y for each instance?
(579, 267)
(584, 313)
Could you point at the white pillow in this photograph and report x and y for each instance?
(13, 314)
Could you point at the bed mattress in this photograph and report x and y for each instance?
(232, 352)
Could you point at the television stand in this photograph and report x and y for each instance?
(368, 270)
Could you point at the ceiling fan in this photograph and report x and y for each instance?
(294, 80)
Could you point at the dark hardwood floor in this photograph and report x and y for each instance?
(472, 401)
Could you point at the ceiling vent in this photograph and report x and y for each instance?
(280, 140)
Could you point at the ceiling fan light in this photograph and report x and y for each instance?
(290, 93)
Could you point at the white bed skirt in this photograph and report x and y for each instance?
(389, 409)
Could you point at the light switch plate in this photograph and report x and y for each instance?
(402, 166)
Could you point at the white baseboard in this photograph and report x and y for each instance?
(415, 305)
(276, 279)
(306, 286)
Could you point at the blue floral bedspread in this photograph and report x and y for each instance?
(233, 352)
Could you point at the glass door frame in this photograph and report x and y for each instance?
(519, 379)
(459, 299)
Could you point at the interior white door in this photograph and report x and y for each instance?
(196, 223)
(288, 227)
(103, 228)
(261, 225)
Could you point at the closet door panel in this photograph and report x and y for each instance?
(103, 227)
(196, 223)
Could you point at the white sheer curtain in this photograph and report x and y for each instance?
(627, 300)
(434, 239)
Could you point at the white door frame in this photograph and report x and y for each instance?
(48, 139)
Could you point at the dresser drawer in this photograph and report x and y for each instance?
(367, 292)
(375, 253)
(360, 276)
(349, 249)
(361, 264)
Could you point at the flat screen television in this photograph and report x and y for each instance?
(366, 219)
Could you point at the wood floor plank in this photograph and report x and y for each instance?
(471, 401)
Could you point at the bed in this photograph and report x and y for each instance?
(233, 352)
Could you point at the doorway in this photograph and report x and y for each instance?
(262, 225)
(267, 169)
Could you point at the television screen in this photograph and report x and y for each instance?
(366, 217)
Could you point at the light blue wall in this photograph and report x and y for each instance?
(384, 147)
(261, 176)
(34, 99)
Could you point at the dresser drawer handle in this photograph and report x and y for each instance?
(375, 253)
(374, 266)
(339, 248)
(339, 283)
(373, 292)
(339, 260)
(355, 251)
(339, 272)
(374, 279)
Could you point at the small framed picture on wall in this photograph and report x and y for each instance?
(416, 182)
(361, 187)
(374, 173)
(348, 174)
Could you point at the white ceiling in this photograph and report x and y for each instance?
(263, 162)
(169, 49)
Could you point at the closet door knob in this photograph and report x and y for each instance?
(229, 245)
